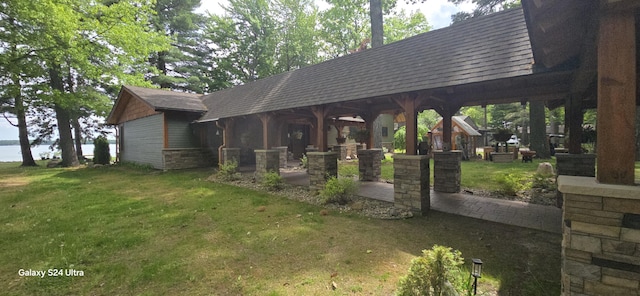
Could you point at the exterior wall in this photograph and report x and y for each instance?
(186, 158)
(136, 109)
(180, 132)
(142, 141)
(601, 237)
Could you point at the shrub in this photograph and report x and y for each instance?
(543, 181)
(338, 190)
(272, 181)
(101, 154)
(437, 272)
(228, 171)
(510, 184)
(304, 162)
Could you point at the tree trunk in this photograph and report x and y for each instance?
(77, 133)
(23, 133)
(377, 31)
(69, 157)
(377, 39)
(539, 142)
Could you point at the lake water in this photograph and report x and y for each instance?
(12, 152)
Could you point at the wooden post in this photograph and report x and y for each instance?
(616, 97)
(575, 119)
(447, 112)
(265, 119)
(320, 113)
(408, 105)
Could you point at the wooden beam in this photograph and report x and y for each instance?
(575, 120)
(320, 113)
(265, 118)
(408, 104)
(616, 97)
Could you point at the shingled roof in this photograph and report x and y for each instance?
(162, 100)
(487, 48)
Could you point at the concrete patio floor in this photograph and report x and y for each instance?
(522, 214)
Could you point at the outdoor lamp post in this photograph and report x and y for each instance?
(476, 272)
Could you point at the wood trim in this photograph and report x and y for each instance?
(165, 129)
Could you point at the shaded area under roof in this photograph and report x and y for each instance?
(484, 49)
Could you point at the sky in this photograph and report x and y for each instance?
(437, 12)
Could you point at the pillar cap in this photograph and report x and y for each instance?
(589, 186)
(405, 156)
(321, 153)
(266, 150)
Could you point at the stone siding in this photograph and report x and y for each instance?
(369, 163)
(411, 183)
(321, 166)
(186, 158)
(267, 161)
(284, 155)
(446, 171)
(229, 154)
(601, 238)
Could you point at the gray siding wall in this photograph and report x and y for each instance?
(143, 141)
(180, 133)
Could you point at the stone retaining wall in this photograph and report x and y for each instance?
(369, 163)
(601, 237)
(267, 161)
(321, 166)
(411, 183)
(186, 158)
(446, 171)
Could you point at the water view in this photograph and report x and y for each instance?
(12, 152)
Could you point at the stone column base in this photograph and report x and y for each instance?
(321, 166)
(411, 183)
(600, 237)
(369, 162)
(267, 161)
(231, 154)
(446, 171)
(284, 150)
(341, 150)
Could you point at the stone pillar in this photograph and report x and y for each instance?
(229, 154)
(600, 237)
(311, 149)
(369, 162)
(284, 155)
(321, 165)
(411, 183)
(581, 165)
(341, 150)
(446, 171)
(267, 161)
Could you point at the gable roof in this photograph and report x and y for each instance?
(462, 121)
(487, 48)
(156, 99)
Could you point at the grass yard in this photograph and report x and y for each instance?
(133, 231)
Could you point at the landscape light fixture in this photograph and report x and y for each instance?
(476, 272)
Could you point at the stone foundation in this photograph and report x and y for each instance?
(186, 158)
(229, 154)
(411, 183)
(267, 161)
(341, 150)
(446, 171)
(369, 163)
(321, 166)
(601, 237)
(284, 155)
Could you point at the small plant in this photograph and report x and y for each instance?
(101, 154)
(510, 184)
(543, 181)
(272, 181)
(228, 171)
(437, 272)
(338, 190)
(304, 162)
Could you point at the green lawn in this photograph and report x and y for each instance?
(133, 231)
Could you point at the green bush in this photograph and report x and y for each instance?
(272, 181)
(228, 171)
(542, 181)
(510, 184)
(338, 190)
(101, 154)
(437, 272)
(304, 162)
